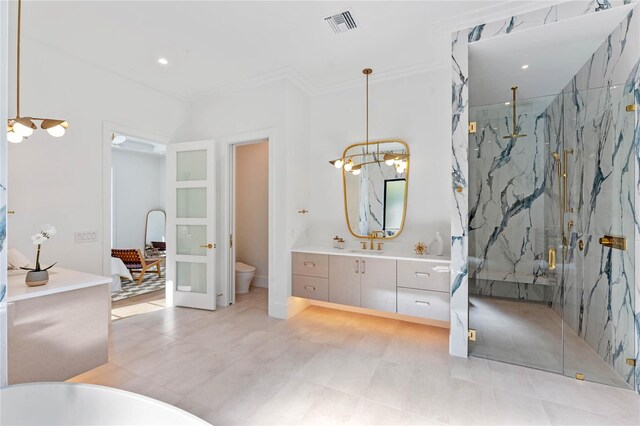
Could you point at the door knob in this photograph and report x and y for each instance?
(209, 246)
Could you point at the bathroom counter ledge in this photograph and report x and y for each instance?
(371, 253)
(60, 280)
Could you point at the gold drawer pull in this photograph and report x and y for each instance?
(309, 264)
(423, 302)
(208, 246)
(309, 287)
(423, 274)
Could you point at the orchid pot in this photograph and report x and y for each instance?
(38, 276)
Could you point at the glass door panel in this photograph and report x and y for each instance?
(191, 239)
(515, 241)
(552, 245)
(191, 277)
(599, 296)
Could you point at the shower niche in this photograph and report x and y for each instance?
(552, 197)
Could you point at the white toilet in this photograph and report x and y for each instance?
(244, 275)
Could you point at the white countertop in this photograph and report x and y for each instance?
(60, 280)
(385, 254)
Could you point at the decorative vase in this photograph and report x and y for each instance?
(36, 278)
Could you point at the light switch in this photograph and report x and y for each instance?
(86, 236)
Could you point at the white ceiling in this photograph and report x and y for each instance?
(211, 45)
(554, 53)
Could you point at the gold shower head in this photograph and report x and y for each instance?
(514, 135)
(555, 156)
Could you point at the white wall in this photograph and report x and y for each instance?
(412, 108)
(252, 209)
(58, 180)
(4, 6)
(139, 186)
(282, 110)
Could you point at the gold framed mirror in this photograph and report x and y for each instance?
(375, 178)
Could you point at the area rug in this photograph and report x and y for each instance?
(151, 282)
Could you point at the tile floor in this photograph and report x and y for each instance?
(531, 334)
(239, 366)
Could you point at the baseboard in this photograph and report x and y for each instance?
(279, 310)
(259, 281)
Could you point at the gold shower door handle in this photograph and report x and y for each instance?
(208, 246)
(619, 243)
(552, 259)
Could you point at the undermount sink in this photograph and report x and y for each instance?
(361, 251)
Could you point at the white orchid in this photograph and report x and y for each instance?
(48, 230)
(38, 239)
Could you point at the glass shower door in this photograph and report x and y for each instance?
(515, 235)
(599, 341)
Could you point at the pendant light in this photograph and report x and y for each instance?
(397, 160)
(20, 127)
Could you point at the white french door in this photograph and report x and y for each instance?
(191, 224)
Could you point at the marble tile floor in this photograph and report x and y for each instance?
(239, 366)
(530, 334)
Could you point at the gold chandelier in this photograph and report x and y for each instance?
(397, 160)
(20, 127)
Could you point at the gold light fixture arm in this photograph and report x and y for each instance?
(20, 127)
(367, 72)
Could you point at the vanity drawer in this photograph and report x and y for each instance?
(424, 275)
(310, 264)
(311, 287)
(422, 303)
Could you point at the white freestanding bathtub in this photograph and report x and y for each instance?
(82, 404)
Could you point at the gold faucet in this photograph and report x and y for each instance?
(373, 236)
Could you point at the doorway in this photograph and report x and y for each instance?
(249, 213)
(138, 225)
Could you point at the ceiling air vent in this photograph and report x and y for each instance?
(342, 22)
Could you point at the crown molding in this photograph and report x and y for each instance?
(381, 76)
(286, 73)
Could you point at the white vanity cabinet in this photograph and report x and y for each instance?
(423, 289)
(405, 285)
(378, 284)
(310, 276)
(344, 280)
(365, 282)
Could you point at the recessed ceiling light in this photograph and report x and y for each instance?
(524, 67)
(163, 61)
(507, 103)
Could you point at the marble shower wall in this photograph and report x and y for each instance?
(507, 181)
(459, 145)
